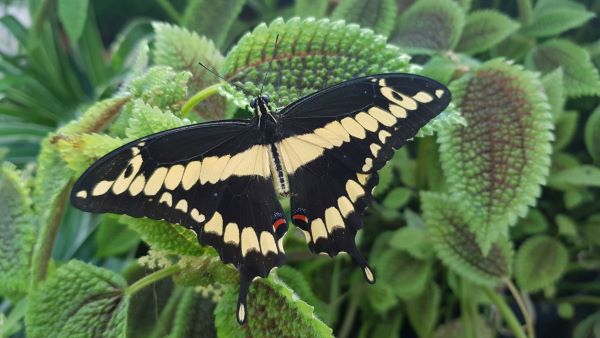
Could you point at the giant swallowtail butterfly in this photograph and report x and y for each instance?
(222, 179)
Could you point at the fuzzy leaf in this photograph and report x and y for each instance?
(379, 15)
(72, 14)
(455, 244)
(540, 262)
(584, 175)
(485, 29)
(17, 226)
(406, 275)
(500, 160)
(295, 280)
(592, 135)
(181, 49)
(313, 55)
(78, 300)
(423, 310)
(274, 310)
(161, 87)
(580, 75)
(553, 83)
(439, 68)
(314, 8)
(552, 17)
(212, 19)
(145, 120)
(430, 26)
(566, 125)
(194, 316)
(81, 150)
(165, 236)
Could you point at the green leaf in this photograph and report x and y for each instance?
(194, 316)
(566, 225)
(455, 244)
(456, 328)
(430, 26)
(553, 83)
(72, 14)
(406, 275)
(397, 198)
(485, 29)
(592, 135)
(553, 17)
(164, 236)
(412, 240)
(295, 280)
(161, 87)
(183, 50)
(566, 125)
(589, 327)
(17, 226)
(423, 310)
(535, 222)
(114, 238)
(382, 297)
(78, 300)
(80, 151)
(379, 15)
(439, 68)
(274, 310)
(212, 19)
(540, 262)
(145, 120)
(514, 47)
(500, 160)
(584, 175)
(314, 8)
(580, 75)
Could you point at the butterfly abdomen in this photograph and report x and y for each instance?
(278, 173)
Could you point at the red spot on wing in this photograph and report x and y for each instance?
(278, 223)
(300, 217)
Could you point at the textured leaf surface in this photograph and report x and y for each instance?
(552, 17)
(297, 282)
(212, 18)
(483, 30)
(499, 161)
(555, 91)
(17, 232)
(539, 262)
(592, 135)
(80, 151)
(78, 300)
(72, 14)
(456, 246)
(314, 8)
(429, 26)
(406, 275)
(181, 49)
(165, 236)
(581, 77)
(274, 310)
(114, 238)
(194, 316)
(379, 15)
(566, 126)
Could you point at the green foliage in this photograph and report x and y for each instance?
(485, 29)
(509, 121)
(552, 17)
(314, 8)
(406, 275)
(423, 310)
(213, 18)
(18, 232)
(73, 14)
(539, 262)
(114, 238)
(592, 135)
(553, 83)
(429, 26)
(92, 303)
(378, 15)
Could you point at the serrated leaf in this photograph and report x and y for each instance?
(540, 262)
(314, 8)
(423, 310)
(78, 300)
(183, 50)
(379, 15)
(456, 246)
(161, 87)
(164, 236)
(146, 120)
(553, 83)
(552, 17)
(212, 19)
(566, 125)
(114, 238)
(72, 14)
(297, 282)
(273, 311)
(584, 175)
(580, 75)
(592, 135)
(406, 275)
(204, 270)
(500, 160)
(430, 26)
(17, 226)
(81, 150)
(485, 29)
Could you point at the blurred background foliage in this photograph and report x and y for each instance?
(486, 225)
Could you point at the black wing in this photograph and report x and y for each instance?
(335, 140)
(213, 178)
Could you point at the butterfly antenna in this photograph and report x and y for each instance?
(270, 65)
(242, 89)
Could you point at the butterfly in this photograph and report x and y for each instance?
(222, 179)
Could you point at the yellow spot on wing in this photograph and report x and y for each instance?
(191, 174)
(101, 188)
(398, 111)
(249, 241)
(182, 205)
(382, 116)
(215, 224)
(399, 98)
(375, 149)
(383, 135)
(362, 178)
(137, 185)
(267, 243)
(174, 176)
(155, 181)
(299, 152)
(82, 194)
(166, 198)
(232, 234)
(354, 190)
(122, 182)
(367, 121)
(317, 228)
(197, 216)
(354, 128)
(333, 219)
(439, 93)
(345, 206)
(423, 97)
(368, 164)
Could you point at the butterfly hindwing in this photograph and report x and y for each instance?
(213, 178)
(336, 141)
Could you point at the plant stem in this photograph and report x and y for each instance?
(199, 97)
(525, 11)
(334, 291)
(506, 312)
(524, 310)
(170, 10)
(40, 15)
(350, 314)
(150, 279)
(467, 318)
(579, 300)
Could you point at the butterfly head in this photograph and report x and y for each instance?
(261, 107)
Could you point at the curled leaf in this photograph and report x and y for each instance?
(499, 161)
